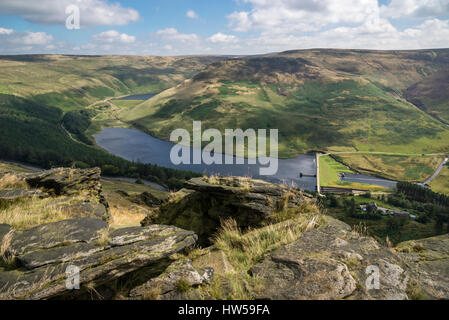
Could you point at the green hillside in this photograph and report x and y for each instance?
(336, 100)
(432, 95)
(47, 103)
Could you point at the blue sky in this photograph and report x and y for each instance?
(177, 27)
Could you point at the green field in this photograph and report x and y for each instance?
(415, 168)
(329, 176)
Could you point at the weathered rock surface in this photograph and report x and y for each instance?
(66, 181)
(166, 286)
(56, 234)
(250, 202)
(331, 263)
(4, 230)
(216, 260)
(146, 199)
(11, 195)
(44, 253)
(63, 182)
(85, 209)
(428, 260)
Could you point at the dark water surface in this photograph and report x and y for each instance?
(138, 146)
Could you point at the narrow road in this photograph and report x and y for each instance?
(436, 172)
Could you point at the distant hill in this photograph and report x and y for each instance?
(47, 102)
(340, 100)
(70, 82)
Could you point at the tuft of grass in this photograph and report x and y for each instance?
(104, 237)
(183, 285)
(152, 293)
(7, 261)
(245, 249)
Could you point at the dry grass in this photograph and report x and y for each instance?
(123, 217)
(245, 249)
(12, 181)
(29, 213)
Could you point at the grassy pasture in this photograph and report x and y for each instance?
(395, 167)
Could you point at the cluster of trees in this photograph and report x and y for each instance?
(76, 122)
(351, 208)
(420, 194)
(431, 206)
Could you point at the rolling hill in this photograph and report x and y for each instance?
(47, 103)
(335, 100)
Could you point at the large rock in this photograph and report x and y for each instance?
(12, 195)
(428, 260)
(4, 230)
(85, 209)
(56, 234)
(69, 182)
(204, 203)
(331, 263)
(66, 181)
(45, 255)
(167, 286)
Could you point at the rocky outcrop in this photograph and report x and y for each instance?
(206, 201)
(331, 263)
(175, 282)
(41, 256)
(61, 184)
(66, 181)
(428, 260)
(12, 195)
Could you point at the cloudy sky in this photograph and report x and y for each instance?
(178, 27)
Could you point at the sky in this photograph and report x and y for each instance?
(237, 27)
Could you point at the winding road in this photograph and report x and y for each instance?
(437, 172)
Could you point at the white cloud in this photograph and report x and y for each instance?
(6, 31)
(172, 34)
(35, 38)
(92, 12)
(113, 36)
(284, 16)
(415, 8)
(223, 38)
(192, 14)
(20, 42)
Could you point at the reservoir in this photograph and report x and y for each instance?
(140, 147)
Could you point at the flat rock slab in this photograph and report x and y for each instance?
(65, 181)
(60, 233)
(73, 252)
(11, 195)
(130, 235)
(305, 279)
(84, 209)
(96, 267)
